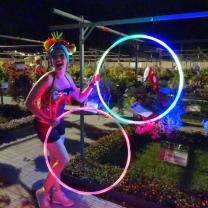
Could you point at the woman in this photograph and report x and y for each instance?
(46, 101)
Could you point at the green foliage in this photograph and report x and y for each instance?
(117, 77)
(197, 84)
(199, 181)
(97, 156)
(13, 116)
(202, 78)
(152, 168)
(120, 75)
(15, 123)
(201, 162)
(20, 87)
(195, 118)
(168, 78)
(13, 111)
(102, 149)
(74, 70)
(148, 177)
(199, 170)
(4, 73)
(56, 35)
(89, 71)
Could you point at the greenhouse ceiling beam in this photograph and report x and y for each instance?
(19, 46)
(19, 38)
(84, 23)
(100, 24)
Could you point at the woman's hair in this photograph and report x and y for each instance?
(60, 47)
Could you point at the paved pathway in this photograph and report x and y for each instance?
(22, 168)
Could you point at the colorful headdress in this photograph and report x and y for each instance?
(57, 42)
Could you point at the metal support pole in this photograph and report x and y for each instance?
(119, 54)
(81, 54)
(160, 58)
(95, 52)
(136, 64)
(136, 60)
(1, 94)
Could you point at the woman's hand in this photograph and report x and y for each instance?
(83, 95)
(53, 122)
(95, 78)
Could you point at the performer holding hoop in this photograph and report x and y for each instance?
(54, 90)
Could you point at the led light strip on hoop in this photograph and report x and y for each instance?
(89, 109)
(181, 78)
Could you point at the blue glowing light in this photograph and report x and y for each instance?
(180, 16)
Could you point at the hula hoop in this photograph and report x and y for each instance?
(127, 161)
(181, 78)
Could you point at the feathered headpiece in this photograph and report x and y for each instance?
(57, 38)
(57, 42)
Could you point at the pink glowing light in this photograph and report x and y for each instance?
(89, 109)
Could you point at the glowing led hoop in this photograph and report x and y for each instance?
(181, 78)
(127, 161)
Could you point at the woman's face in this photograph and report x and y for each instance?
(58, 60)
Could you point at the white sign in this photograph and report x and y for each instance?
(20, 66)
(91, 105)
(4, 85)
(173, 155)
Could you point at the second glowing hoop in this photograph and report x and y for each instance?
(181, 78)
(88, 109)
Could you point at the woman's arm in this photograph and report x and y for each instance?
(35, 94)
(82, 96)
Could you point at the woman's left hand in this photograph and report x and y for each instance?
(54, 122)
(95, 78)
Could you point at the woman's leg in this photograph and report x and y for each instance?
(53, 161)
(60, 158)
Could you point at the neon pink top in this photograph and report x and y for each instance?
(53, 101)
